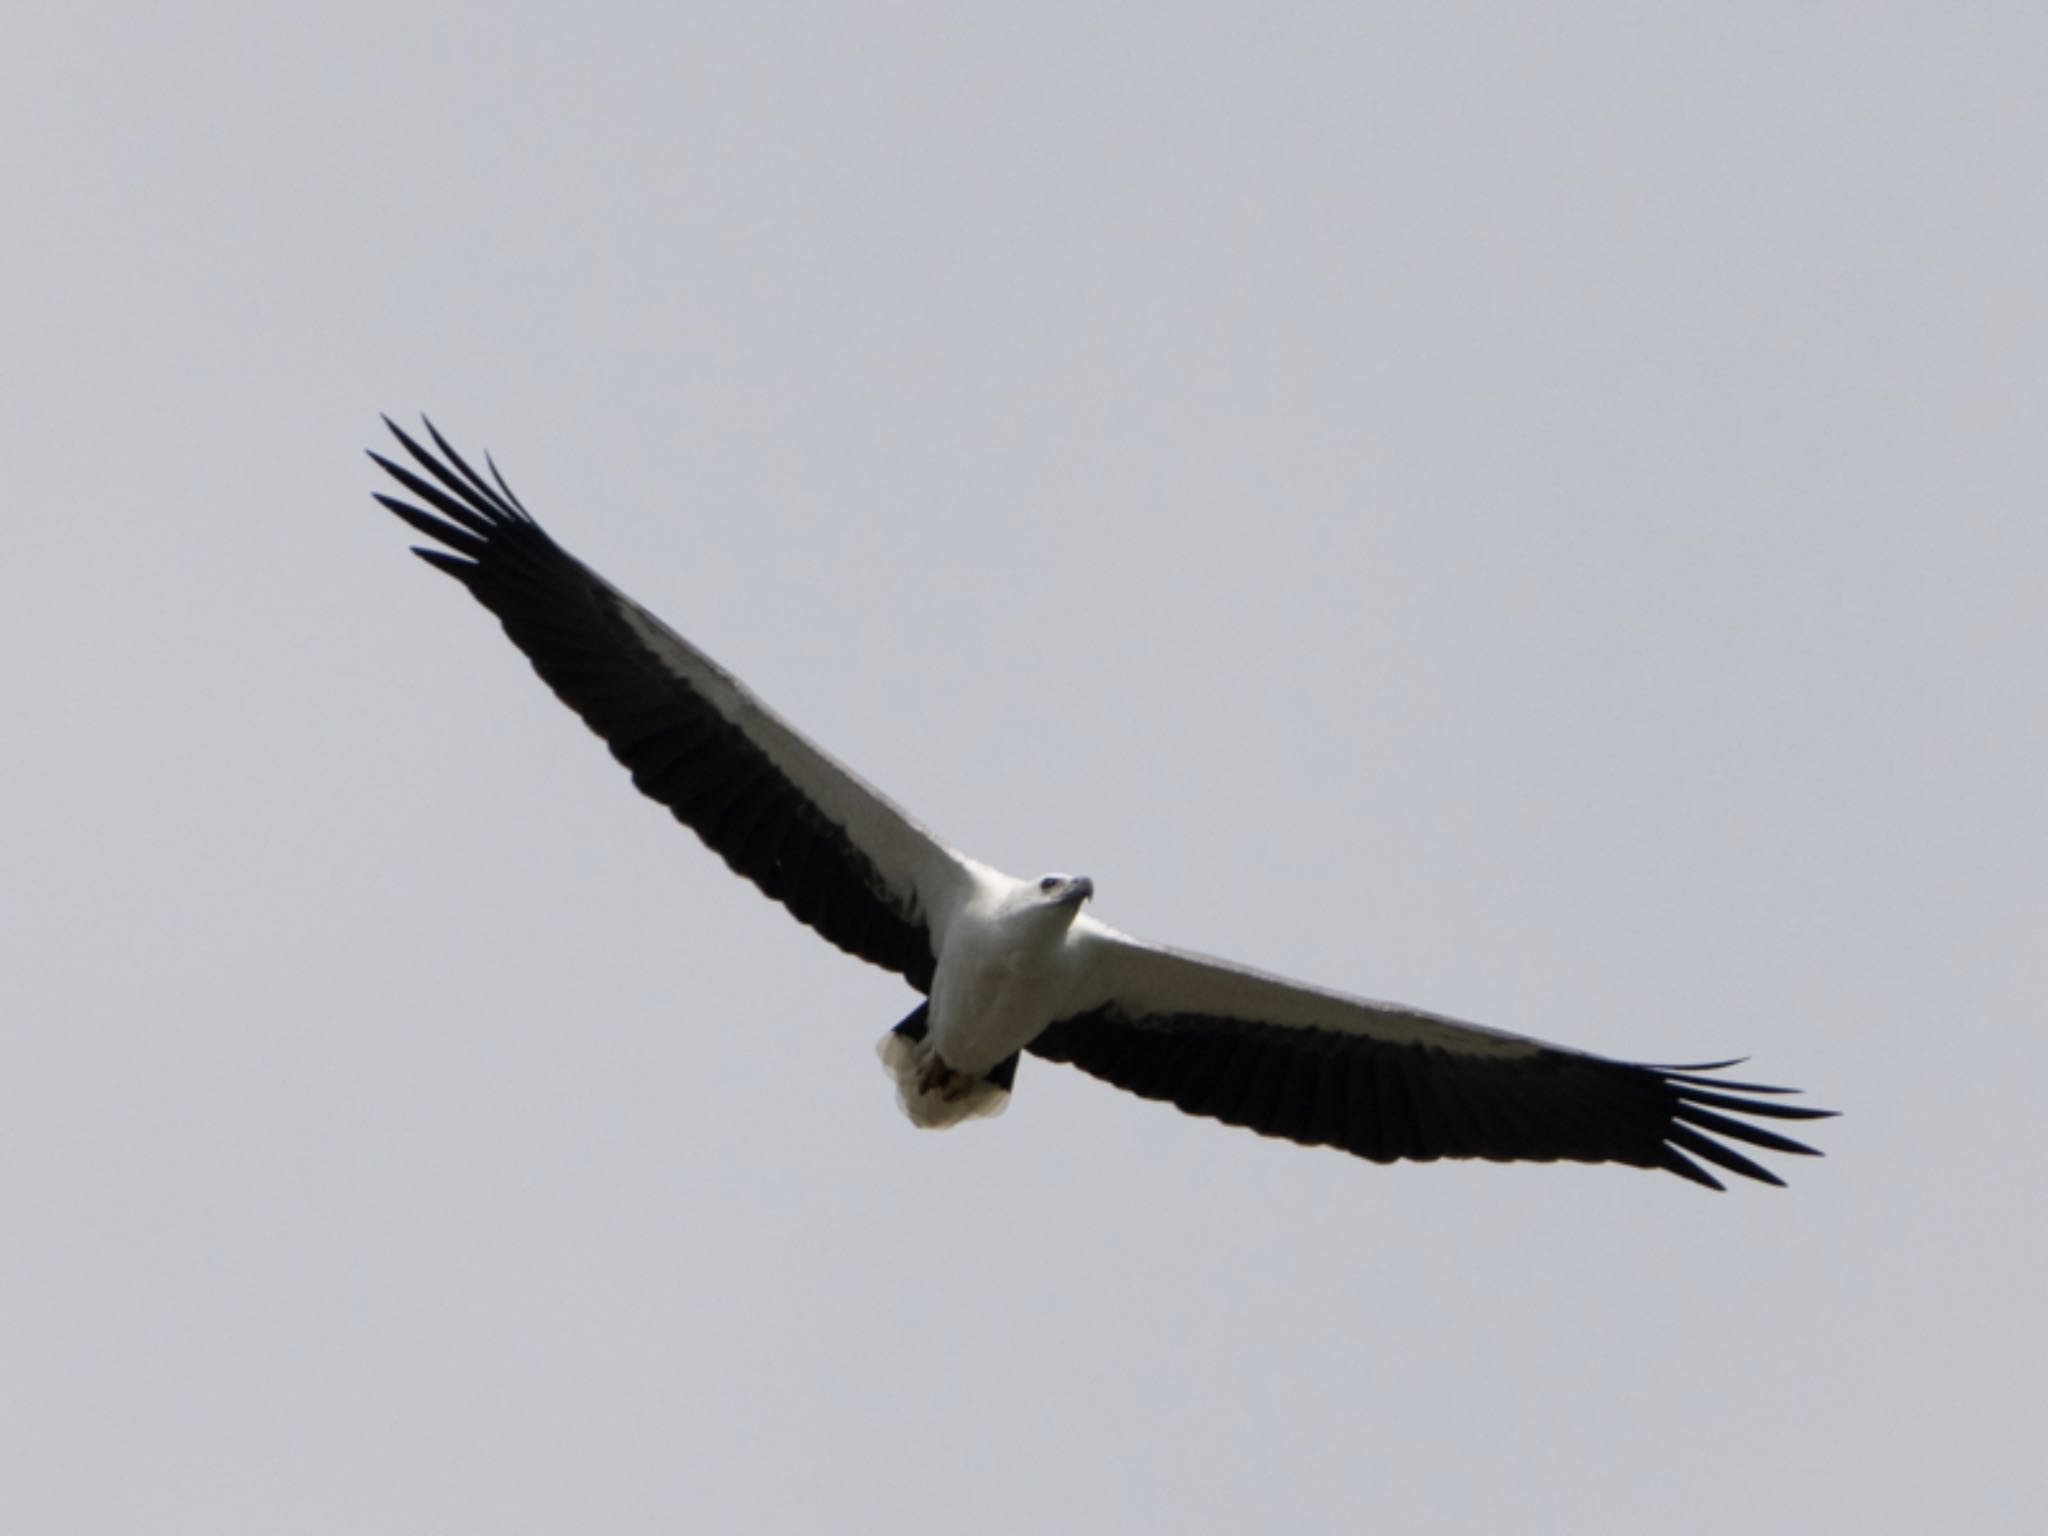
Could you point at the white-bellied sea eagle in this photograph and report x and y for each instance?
(1008, 965)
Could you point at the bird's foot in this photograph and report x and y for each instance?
(935, 1077)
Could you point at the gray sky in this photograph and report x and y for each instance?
(1536, 512)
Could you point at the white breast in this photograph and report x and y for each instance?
(1002, 973)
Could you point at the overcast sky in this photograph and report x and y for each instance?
(1536, 512)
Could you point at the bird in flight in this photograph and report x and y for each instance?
(1007, 966)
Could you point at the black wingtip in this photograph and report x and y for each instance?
(396, 430)
(503, 484)
(441, 560)
(1675, 1161)
(410, 443)
(1699, 1128)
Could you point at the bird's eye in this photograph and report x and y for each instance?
(1049, 883)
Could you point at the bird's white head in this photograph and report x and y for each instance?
(1062, 892)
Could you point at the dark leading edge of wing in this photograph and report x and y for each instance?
(680, 749)
(1393, 1102)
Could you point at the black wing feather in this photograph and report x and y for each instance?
(1392, 1102)
(680, 750)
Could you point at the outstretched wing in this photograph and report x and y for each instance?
(1391, 1083)
(778, 810)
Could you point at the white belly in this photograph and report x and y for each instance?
(994, 991)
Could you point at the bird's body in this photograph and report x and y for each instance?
(1010, 966)
(1008, 962)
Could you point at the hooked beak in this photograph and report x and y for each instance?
(1078, 890)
